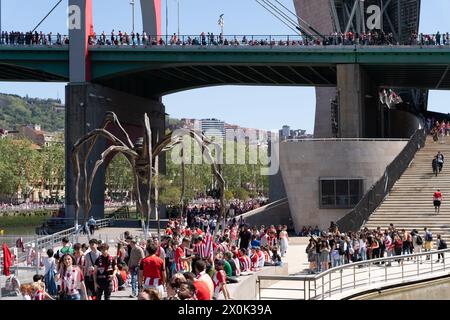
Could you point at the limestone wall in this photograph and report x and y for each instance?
(304, 162)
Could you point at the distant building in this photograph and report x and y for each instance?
(213, 127)
(35, 134)
(286, 133)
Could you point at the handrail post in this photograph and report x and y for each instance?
(329, 286)
(385, 270)
(354, 277)
(418, 266)
(431, 257)
(402, 269)
(443, 259)
(323, 287)
(342, 271)
(304, 289)
(37, 253)
(369, 273)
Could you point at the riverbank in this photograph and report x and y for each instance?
(22, 225)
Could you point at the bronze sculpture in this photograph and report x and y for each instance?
(141, 157)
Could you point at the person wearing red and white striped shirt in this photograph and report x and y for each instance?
(261, 257)
(220, 281)
(255, 259)
(199, 247)
(152, 271)
(72, 280)
(80, 258)
(180, 256)
(245, 263)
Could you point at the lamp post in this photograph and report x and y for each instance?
(167, 20)
(132, 14)
(221, 23)
(178, 12)
(0, 18)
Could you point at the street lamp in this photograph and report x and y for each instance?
(221, 23)
(178, 12)
(132, 13)
(0, 18)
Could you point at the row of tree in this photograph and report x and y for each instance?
(25, 168)
(242, 180)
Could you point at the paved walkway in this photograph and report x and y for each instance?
(350, 281)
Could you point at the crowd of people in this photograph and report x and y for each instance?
(32, 38)
(204, 211)
(370, 38)
(439, 130)
(188, 262)
(39, 205)
(332, 248)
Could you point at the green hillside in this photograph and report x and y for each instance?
(16, 110)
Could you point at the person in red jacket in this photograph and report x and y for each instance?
(7, 261)
(437, 199)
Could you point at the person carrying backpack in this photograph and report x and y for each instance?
(440, 160)
(441, 245)
(435, 166)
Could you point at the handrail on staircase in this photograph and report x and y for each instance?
(355, 219)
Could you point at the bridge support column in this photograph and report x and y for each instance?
(86, 105)
(351, 89)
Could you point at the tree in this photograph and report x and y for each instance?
(241, 193)
(119, 178)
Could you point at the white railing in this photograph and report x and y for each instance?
(354, 278)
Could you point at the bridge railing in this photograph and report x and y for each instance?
(355, 278)
(378, 192)
(50, 241)
(223, 40)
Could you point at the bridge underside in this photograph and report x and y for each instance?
(169, 80)
(19, 73)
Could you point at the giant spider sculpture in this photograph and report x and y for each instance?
(141, 157)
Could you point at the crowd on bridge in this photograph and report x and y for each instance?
(331, 248)
(370, 38)
(188, 262)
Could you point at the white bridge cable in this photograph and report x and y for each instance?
(298, 17)
(281, 13)
(276, 16)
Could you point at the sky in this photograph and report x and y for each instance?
(266, 108)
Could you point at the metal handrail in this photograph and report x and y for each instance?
(215, 40)
(325, 287)
(353, 220)
(342, 139)
(50, 241)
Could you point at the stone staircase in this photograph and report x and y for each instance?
(409, 205)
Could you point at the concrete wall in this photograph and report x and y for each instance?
(304, 162)
(246, 289)
(275, 213)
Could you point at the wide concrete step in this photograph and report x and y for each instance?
(410, 202)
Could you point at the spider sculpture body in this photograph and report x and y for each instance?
(141, 157)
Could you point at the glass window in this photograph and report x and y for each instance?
(342, 198)
(328, 193)
(355, 187)
(340, 193)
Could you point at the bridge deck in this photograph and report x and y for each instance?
(158, 70)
